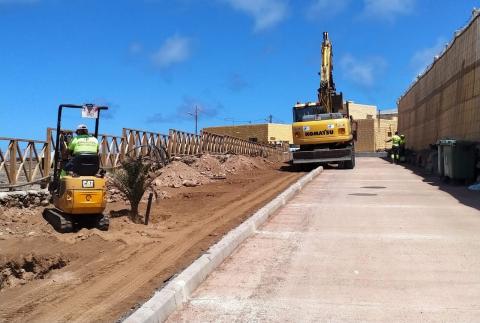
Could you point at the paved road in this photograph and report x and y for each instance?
(376, 244)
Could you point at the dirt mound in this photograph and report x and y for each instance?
(209, 165)
(178, 174)
(20, 270)
(239, 163)
(191, 171)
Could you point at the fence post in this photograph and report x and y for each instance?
(13, 162)
(103, 156)
(47, 155)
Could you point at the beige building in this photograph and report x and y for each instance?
(264, 133)
(372, 134)
(374, 129)
(362, 111)
(374, 126)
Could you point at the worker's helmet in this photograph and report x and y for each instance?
(82, 129)
(402, 136)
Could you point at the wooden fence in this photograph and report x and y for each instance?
(23, 161)
(26, 162)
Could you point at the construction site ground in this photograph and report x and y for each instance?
(375, 244)
(99, 276)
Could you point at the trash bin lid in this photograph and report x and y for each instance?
(447, 142)
(453, 142)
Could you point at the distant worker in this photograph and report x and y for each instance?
(402, 148)
(81, 144)
(395, 152)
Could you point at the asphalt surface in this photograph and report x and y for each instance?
(374, 244)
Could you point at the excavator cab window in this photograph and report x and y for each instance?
(302, 114)
(314, 113)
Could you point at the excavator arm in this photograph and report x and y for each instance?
(327, 95)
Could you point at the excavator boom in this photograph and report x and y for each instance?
(327, 86)
(322, 129)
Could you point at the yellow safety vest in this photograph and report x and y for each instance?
(396, 140)
(83, 144)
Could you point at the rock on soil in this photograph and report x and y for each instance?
(24, 199)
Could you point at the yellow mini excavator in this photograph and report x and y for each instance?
(79, 195)
(323, 129)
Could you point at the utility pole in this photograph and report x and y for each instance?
(195, 115)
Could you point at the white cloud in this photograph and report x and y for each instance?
(326, 8)
(266, 13)
(388, 9)
(175, 49)
(362, 72)
(424, 57)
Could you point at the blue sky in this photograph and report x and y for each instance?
(152, 61)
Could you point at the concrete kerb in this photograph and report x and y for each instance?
(177, 292)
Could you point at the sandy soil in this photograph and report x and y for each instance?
(102, 276)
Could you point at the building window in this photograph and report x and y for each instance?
(253, 139)
(389, 134)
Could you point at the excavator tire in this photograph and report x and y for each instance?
(60, 222)
(349, 164)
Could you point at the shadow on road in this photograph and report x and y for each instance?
(458, 190)
(304, 168)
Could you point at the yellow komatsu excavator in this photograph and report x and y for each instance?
(324, 130)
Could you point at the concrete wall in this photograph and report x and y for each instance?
(264, 133)
(445, 101)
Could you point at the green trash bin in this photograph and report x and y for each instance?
(441, 170)
(456, 159)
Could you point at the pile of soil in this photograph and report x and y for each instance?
(191, 171)
(239, 163)
(178, 174)
(210, 166)
(198, 170)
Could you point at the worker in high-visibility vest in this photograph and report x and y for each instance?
(82, 143)
(395, 153)
(401, 148)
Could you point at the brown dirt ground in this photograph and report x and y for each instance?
(104, 275)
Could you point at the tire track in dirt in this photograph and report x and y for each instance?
(123, 291)
(109, 287)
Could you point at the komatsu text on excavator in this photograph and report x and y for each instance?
(324, 129)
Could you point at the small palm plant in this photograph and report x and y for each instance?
(133, 179)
